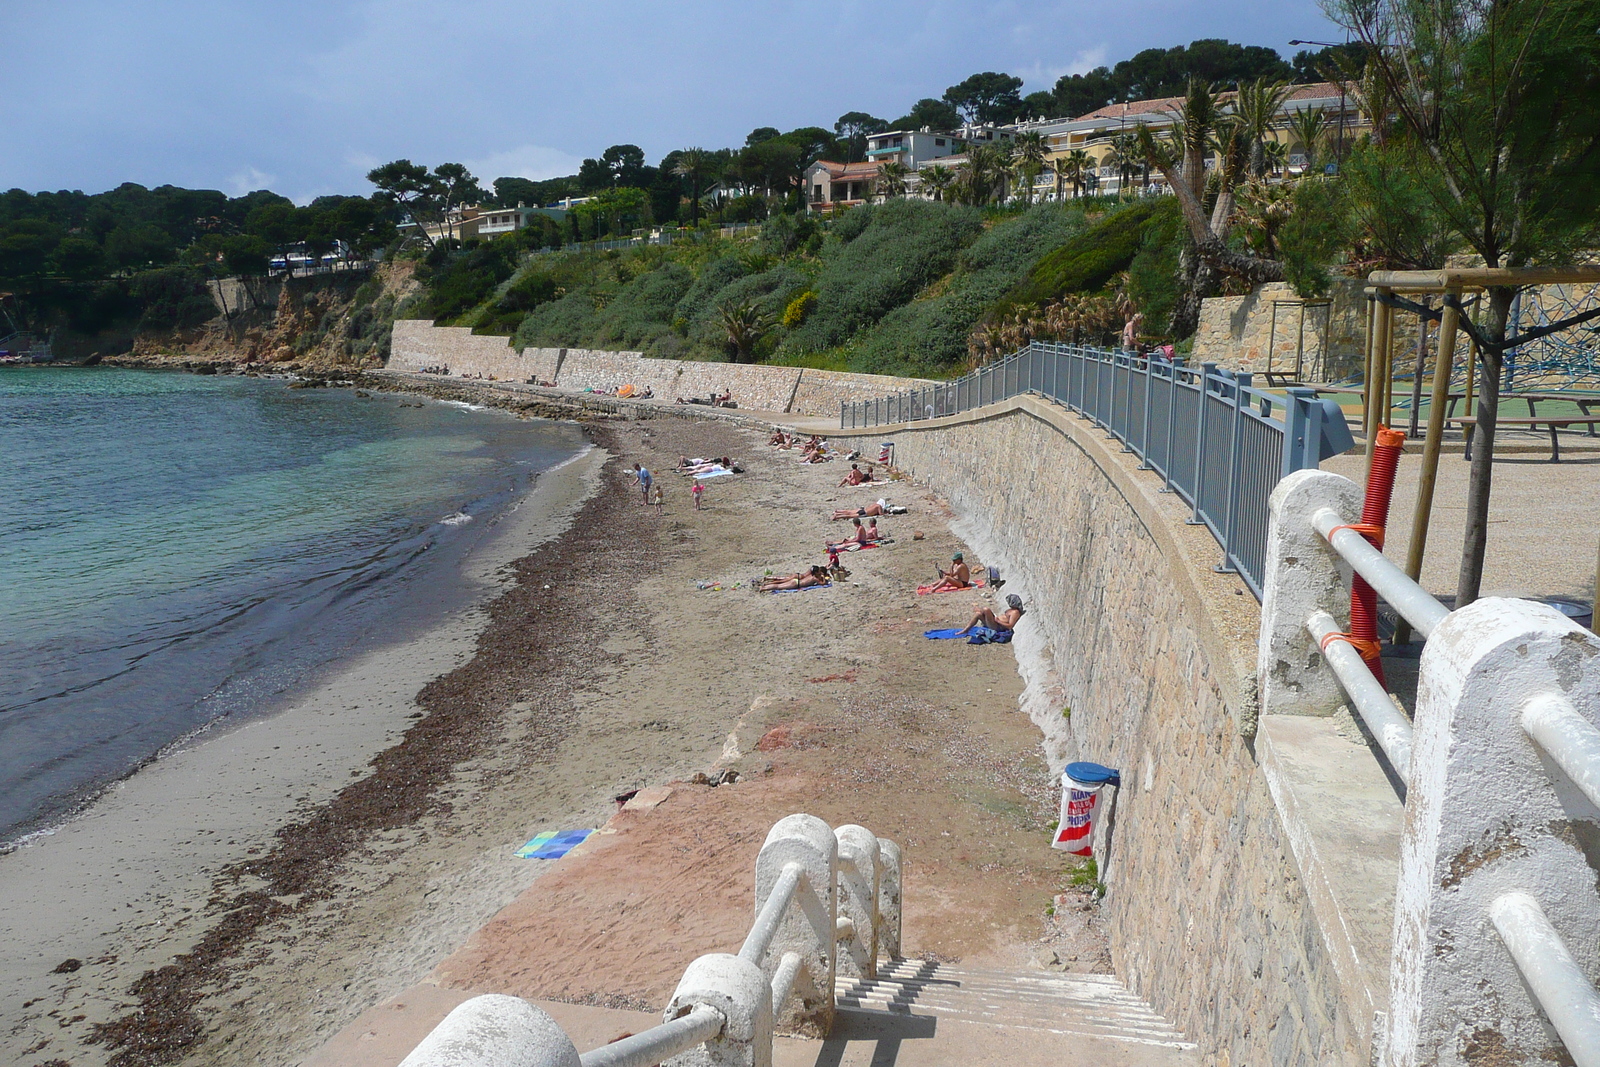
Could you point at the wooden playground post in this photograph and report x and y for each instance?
(1443, 365)
(1416, 377)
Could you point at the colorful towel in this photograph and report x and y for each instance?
(552, 844)
(719, 472)
(978, 635)
(924, 590)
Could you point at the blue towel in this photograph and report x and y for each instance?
(804, 589)
(980, 635)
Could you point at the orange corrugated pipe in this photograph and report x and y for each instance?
(1374, 518)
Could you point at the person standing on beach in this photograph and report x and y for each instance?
(642, 476)
(697, 492)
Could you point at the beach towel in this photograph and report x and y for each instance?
(552, 844)
(853, 546)
(719, 472)
(807, 589)
(924, 590)
(978, 635)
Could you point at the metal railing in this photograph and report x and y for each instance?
(1499, 763)
(1217, 441)
(816, 889)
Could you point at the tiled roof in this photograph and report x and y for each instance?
(837, 171)
(1164, 104)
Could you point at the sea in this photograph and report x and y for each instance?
(178, 551)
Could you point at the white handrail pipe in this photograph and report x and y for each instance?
(783, 980)
(1569, 739)
(1391, 729)
(1558, 983)
(1422, 610)
(659, 1042)
(771, 914)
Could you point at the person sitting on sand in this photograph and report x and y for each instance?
(959, 576)
(779, 439)
(1005, 621)
(873, 533)
(855, 477)
(858, 536)
(879, 507)
(817, 575)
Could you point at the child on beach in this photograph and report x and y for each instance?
(697, 492)
(658, 499)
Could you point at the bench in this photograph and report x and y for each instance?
(1551, 421)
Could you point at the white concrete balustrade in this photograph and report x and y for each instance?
(816, 888)
(1496, 942)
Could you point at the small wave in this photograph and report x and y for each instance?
(464, 405)
(456, 518)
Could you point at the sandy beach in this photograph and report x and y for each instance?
(243, 899)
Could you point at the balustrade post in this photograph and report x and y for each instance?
(494, 1030)
(1301, 575)
(1144, 423)
(1241, 382)
(858, 897)
(1206, 371)
(1489, 819)
(809, 924)
(890, 894)
(740, 992)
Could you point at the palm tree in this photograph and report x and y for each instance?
(1029, 154)
(1079, 163)
(692, 164)
(1057, 166)
(1274, 158)
(892, 178)
(1125, 157)
(745, 325)
(938, 179)
(1309, 127)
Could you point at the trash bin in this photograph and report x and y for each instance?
(1081, 805)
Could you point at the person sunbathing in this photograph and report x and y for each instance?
(873, 534)
(1006, 620)
(959, 576)
(858, 536)
(880, 507)
(855, 477)
(817, 575)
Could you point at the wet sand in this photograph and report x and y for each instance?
(599, 668)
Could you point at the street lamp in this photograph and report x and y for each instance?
(1339, 150)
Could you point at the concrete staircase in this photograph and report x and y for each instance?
(918, 1013)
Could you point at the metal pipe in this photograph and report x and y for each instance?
(771, 914)
(1569, 739)
(1554, 977)
(783, 980)
(1414, 603)
(659, 1042)
(1421, 514)
(1369, 698)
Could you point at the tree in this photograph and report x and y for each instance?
(457, 188)
(1496, 124)
(1039, 105)
(625, 162)
(411, 188)
(1061, 169)
(1028, 158)
(1318, 66)
(692, 165)
(989, 97)
(892, 178)
(853, 129)
(744, 324)
(930, 113)
(761, 133)
(1308, 126)
(938, 179)
(1078, 165)
(1079, 94)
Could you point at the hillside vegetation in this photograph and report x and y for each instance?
(892, 288)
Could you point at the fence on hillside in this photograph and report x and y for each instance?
(1218, 442)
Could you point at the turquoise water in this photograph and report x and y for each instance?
(179, 548)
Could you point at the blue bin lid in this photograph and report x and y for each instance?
(1093, 774)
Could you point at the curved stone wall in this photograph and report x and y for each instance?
(1153, 652)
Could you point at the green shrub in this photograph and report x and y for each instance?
(905, 245)
(1091, 259)
(172, 298)
(1153, 283)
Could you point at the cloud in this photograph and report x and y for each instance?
(1044, 75)
(248, 180)
(530, 161)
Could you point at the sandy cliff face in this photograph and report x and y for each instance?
(327, 322)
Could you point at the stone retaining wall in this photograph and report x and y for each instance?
(1154, 654)
(1241, 333)
(418, 343)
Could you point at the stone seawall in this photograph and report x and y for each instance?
(1153, 653)
(418, 344)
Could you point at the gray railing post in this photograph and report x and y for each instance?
(1206, 371)
(1241, 382)
(1302, 431)
(1144, 431)
(1172, 424)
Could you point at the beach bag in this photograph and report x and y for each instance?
(1082, 786)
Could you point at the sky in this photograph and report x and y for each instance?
(305, 96)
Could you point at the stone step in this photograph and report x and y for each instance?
(1086, 1005)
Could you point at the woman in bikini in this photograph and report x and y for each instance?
(1006, 620)
(804, 580)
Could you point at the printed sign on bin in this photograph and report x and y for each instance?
(1081, 788)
